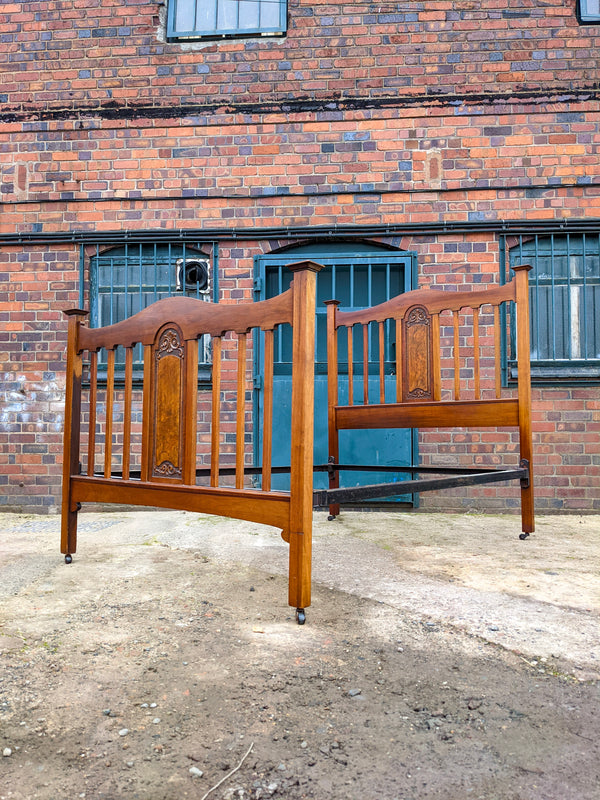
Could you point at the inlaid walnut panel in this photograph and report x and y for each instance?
(417, 383)
(167, 429)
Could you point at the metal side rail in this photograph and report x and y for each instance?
(456, 477)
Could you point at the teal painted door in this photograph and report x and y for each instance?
(358, 278)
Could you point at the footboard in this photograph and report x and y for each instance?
(447, 366)
(138, 431)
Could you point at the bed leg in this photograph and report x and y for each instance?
(300, 616)
(527, 512)
(334, 482)
(69, 534)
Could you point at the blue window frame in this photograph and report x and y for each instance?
(127, 279)
(193, 19)
(565, 305)
(589, 11)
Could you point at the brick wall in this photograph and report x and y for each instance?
(362, 115)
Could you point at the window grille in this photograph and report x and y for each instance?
(189, 19)
(565, 304)
(125, 280)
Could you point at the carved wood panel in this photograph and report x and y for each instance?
(167, 406)
(417, 360)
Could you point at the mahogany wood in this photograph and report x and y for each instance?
(302, 422)
(332, 393)
(381, 363)
(366, 364)
(91, 459)
(169, 331)
(72, 431)
(419, 378)
(240, 417)
(127, 401)
(215, 426)
(267, 413)
(430, 414)
(268, 508)
(109, 405)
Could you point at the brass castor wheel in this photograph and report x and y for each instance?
(330, 518)
(300, 616)
(523, 536)
(68, 558)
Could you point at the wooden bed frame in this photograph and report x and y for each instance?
(111, 456)
(431, 392)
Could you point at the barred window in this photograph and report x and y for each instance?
(190, 19)
(125, 280)
(565, 304)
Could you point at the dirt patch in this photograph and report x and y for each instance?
(442, 658)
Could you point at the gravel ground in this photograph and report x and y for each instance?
(441, 658)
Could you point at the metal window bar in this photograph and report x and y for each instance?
(125, 280)
(564, 291)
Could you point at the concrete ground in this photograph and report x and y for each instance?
(455, 631)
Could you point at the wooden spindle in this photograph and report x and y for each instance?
(110, 396)
(215, 423)
(190, 413)
(146, 414)
(128, 399)
(456, 356)
(350, 331)
(267, 413)
(240, 424)
(436, 370)
(365, 328)
(476, 354)
(91, 457)
(381, 363)
(497, 350)
(399, 370)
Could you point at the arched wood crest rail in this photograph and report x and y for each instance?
(160, 440)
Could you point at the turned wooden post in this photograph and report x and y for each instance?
(302, 423)
(72, 430)
(524, 392)
(332, 398)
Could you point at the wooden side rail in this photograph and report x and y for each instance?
(447, 366)
(140, 443)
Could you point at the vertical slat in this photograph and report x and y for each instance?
(240, 411)
(436, 358)
(128, 399)
(146, 413)
(71, 435)
(497, 352)
(524, 393)
(332, 396)
(108, 423)
(455, 316)
(302, 425)
(365, 328)
(91, 457)
(190, 413)
(381, 363)
(399, 369)
(267, 413)
(215, 425)
(350, 332)
(476, 364)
